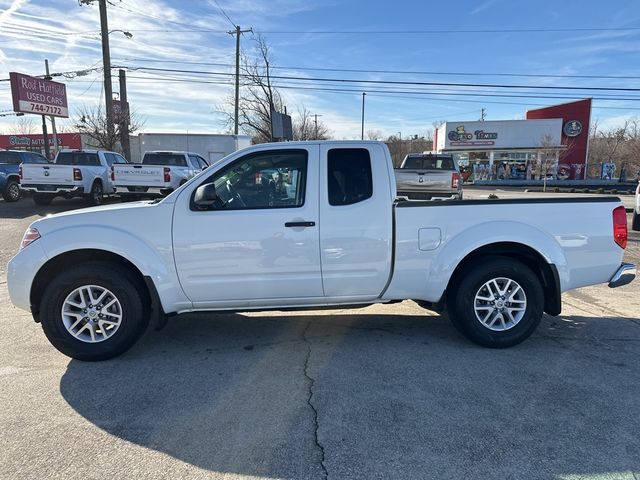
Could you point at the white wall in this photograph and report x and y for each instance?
(210, 146)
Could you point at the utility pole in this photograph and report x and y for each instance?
(124, 116)
(237, 33)
(362, 133)
(482, 114)
(315, 116)
(106, 64)
(56, 145)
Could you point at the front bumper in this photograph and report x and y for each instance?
(624, 275)
(21, 272)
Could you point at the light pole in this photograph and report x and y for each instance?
(362, 133)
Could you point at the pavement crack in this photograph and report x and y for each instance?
(312, 382)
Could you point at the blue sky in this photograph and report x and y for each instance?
(478, 40)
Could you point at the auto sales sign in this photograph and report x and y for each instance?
(36, 95)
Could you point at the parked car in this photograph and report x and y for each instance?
(428, 176)
(159, 172)
(10, 161)
(336, 235)
(635, 223)
(74, 173)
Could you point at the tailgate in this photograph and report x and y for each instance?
(47, 174)
(423, 179)
(139, 175)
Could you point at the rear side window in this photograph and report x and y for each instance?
(35, 158)
(78, 158)
(349, 175)
(164, 159)
(11, 158)
(429, 162)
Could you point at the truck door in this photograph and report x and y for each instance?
(260, 241)
(355, 220)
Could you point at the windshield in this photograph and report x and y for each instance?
(165, 159)
(428, 163)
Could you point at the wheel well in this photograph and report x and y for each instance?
(13, 177)
(57, 264)
(547, 273)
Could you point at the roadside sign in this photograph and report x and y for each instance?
(36, 95)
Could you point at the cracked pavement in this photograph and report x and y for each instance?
(380, 392)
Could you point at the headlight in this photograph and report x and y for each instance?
(30, 236)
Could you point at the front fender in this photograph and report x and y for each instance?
(467, 241)
(151, 260)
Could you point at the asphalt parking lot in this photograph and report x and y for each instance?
(388, 392)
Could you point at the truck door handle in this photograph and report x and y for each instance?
(300, 224)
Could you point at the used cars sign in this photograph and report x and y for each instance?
(36, 95)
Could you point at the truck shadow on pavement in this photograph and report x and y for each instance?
(365, 395)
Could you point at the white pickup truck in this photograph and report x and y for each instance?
(159, 172)
(73, 173)
(310, 224)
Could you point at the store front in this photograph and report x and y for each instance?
(551, 143)
(35, 143)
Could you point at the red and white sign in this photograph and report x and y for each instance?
(32, 142)
(36, 95)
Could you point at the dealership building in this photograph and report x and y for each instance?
(551, 139)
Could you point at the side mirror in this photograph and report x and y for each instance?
(205, 195)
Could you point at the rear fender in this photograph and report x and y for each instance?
(466, 242)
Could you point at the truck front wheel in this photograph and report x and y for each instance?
(11, 191)
(94, 311)
(497, 302)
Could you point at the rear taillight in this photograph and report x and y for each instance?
(77, 174)
(455, 178)
(113, 173)
(20, 172)
(167, 174)
(620, 226)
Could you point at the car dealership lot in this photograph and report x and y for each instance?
(381, 392)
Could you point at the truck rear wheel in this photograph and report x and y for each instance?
(497, 303)
(635, 223)
(11, 191)
(42, 199)
(96, 196)
(94, 311)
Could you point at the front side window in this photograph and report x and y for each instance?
(274, 179)
(349, 175)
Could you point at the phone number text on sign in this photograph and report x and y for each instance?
(43, 109)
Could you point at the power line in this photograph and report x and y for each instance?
(400, 82)
(225, 14)
(398, 72)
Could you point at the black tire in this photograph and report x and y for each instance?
(42, 199)
(96, 195)
(462, 297)
(635, 223)
(11, 192)
(129, 291)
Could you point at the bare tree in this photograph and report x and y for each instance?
(24, 126)
(308, 127)
(374, 135)
(258, 95)
(92, 122)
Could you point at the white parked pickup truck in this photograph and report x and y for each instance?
(159, 172)
(73, 173)
(310, 224)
